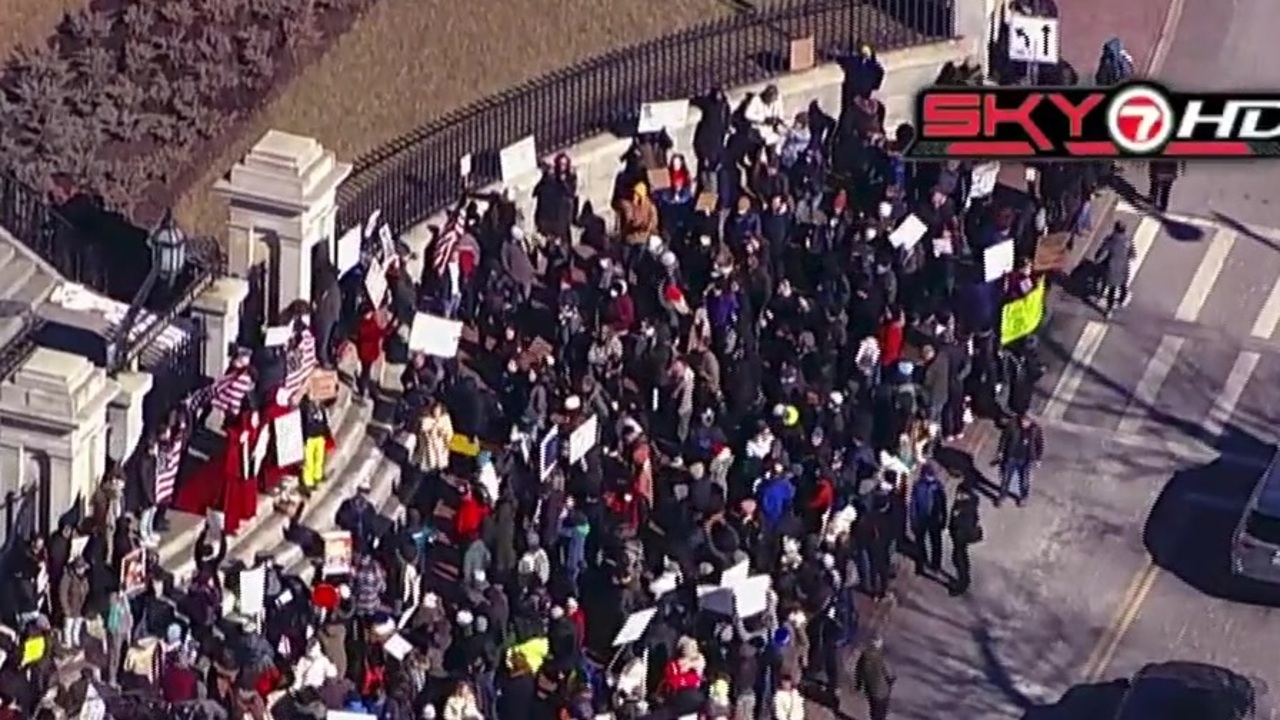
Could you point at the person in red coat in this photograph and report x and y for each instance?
(239, 479)
(891, 335)
(371, 332)
(469, 517)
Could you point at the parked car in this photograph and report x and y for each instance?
(1187, 691)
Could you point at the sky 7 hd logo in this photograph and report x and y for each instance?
(1140, 120)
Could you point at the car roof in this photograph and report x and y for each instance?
(1268, 500)
(1195, 691)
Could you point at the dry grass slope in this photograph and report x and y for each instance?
(31, 22)
(408, 61)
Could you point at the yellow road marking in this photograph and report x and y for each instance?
(1131, 604)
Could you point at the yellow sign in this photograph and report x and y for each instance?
(1021, 317)
(33, 650)
(464, 445)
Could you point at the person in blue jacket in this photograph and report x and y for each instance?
(775, 494)
(928, 518)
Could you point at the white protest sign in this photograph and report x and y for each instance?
(908, 234)
(583, 438)
(997, 261)
(397, 647)
(277, 336)
(94, 707)
(290, 443)
(261, 447)
(466, 164)
(348, 715)
(371, 224)
(1034, 39)
(751, 596)
(548, 453)
(253, 588)
(434, 335)
(942, 247)
(518, 160)
(633, 627)
(375, 283)
(387, 241)
(665, 115)
(984, 178)
(347, 252)
(738, 597)
(737, 573)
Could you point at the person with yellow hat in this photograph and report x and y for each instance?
(639, 216)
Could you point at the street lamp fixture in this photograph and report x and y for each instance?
(169, 249)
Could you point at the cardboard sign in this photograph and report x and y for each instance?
(666, 115)
(338, 553)
(518, 160)
(133, 572)
(435, 335)
(583, 438)
(322, 386)
(375, 283)
(290, 443)
(997, 261)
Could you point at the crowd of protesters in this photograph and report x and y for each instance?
(765, 372)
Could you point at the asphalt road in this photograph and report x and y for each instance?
(1158, 425)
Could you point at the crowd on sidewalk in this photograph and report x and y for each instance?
(670, 476)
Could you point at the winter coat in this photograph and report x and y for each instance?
(639, 220)
(432, 451)
(73, 591)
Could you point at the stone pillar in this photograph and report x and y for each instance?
(124, 414)
(283, 201)
(979, 20)
(219, 310)
(54, 410)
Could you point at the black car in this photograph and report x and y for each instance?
(1187, 691)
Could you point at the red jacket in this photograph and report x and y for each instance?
(890, 338)
(369, 337)
(674, 679)
(470, 516)
(823, 495)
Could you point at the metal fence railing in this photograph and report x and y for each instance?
(417, 176)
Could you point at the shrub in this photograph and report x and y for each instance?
(128, 100)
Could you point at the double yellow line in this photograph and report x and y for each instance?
(1131, 604)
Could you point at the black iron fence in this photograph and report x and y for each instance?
(28, 215)
(417, 176)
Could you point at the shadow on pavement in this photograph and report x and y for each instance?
(1190, 531)
(1183, 232)
(1248, 232)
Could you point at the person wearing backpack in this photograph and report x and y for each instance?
(928, 518)
(966, 529)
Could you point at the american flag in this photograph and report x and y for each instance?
(442, 249)
(167, 464)
(301, 362)
(229, 391)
